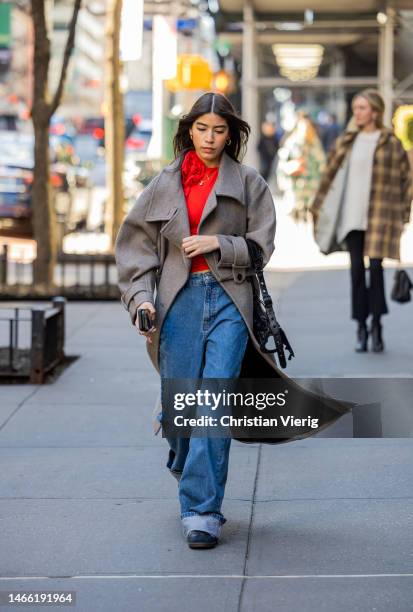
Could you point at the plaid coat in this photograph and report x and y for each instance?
(390, 197)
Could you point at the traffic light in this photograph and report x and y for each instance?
(193, 72)
(222, 81)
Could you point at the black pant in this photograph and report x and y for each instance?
(365, 300)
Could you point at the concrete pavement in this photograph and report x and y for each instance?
(296, 248)
(87, 504)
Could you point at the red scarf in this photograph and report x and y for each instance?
(193, 171)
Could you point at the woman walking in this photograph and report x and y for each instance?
(186, 236)
(303, 161)
(362, 204)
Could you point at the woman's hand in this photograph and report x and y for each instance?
(196, 245)
(152, 314)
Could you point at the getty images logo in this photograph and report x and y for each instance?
(212, 400)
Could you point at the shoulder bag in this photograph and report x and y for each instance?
(265, 325)
(401, 287)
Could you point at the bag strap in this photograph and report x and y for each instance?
(275, 329)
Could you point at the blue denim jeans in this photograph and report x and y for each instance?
(203, 336)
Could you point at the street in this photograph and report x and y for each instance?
(88, 505)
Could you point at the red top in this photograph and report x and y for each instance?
(197, 182)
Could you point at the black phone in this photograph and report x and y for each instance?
(144, 320)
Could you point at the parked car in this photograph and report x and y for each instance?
(16, 180)
(94, 127)
(138, 141)
(11, 122)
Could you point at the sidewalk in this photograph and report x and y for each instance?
(297, 250)
(87, 504)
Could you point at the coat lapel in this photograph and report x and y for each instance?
(168, 199)
(228, 183)
(350, 136)
(168, 204)
(385, 133)
(343, 151)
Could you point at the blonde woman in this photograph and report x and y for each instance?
(362, 204)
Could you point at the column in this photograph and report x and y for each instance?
(249, 87)
(386, 74)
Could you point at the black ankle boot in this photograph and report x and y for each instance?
(201, 539)
(362, 336)
(376, 339)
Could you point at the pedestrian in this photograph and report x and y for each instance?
(186, 236)
(330, 132)
(267, 148)
(361, 206)
(302, 160)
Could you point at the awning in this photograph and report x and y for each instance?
(318, 6)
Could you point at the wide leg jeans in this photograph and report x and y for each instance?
(203, 336)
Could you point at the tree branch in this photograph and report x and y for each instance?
(70, 43)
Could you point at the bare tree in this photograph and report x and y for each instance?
(44, 106)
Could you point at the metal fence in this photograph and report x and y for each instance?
(92, 276)
(31, 340)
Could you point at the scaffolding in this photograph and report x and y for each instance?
(259, 26)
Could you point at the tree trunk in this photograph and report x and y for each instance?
(43, 212)
(114, 122)
(44, 221)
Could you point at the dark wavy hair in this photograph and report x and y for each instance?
(217, 103)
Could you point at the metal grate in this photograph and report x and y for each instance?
(44, 337)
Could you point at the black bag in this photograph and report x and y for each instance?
(401, 287)
(265, 324)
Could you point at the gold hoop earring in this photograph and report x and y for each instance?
(228, 142)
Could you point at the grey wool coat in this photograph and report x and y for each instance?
(152, 267)
(148, 246)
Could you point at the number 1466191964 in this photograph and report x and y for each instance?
(17, 598)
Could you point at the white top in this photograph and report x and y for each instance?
(354, 211)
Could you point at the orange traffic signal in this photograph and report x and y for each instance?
(193, 72)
